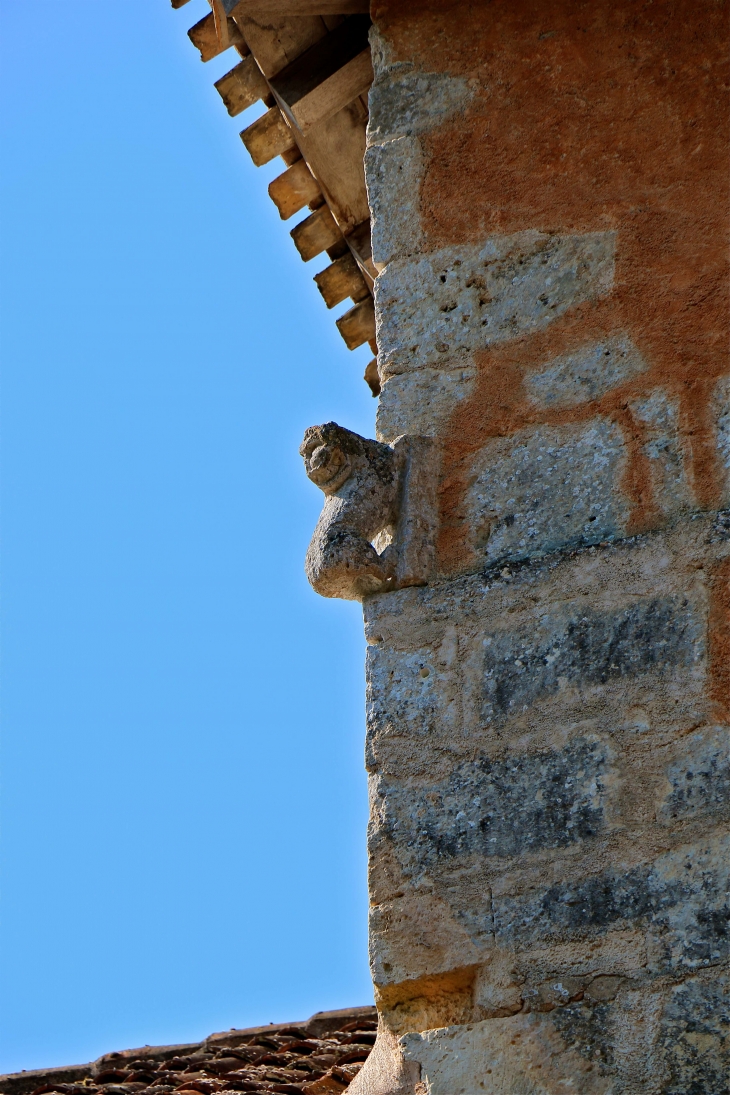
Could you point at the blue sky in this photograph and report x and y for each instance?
(184, 801)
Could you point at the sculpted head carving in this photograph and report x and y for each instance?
(341, 560)
(369, 488)
(326, 459)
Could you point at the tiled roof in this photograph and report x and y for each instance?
(309, 62)
(317, 1057)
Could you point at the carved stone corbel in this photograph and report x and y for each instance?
(376, 531)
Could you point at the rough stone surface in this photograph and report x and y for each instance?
(665, 452)
(694, 1038)
(721, 409)
(545, 488)
(524, 1053)
(682, 897)
(421, 402)
(396, 169)
(698, 777)
(404, 101)
(498, 807)
(586, 374)
(508, 717)
(586, 647)
(448, 303)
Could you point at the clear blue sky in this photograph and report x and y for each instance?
(184, 801)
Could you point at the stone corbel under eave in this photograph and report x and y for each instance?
(377, 529)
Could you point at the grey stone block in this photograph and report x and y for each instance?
(435, 307)
(393, 174)
(665, 452)
(403, 100)
(721, 410)
(682, 900)
(497, 807)
(586, 648)
(699, 776)
(695, 1038)
(586, 374)
(421, 402)
(545, 488)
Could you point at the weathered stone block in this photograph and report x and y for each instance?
(665, 452)
(447, 304)
(545, 488)
(494, 807)
(721, 415)
(585, 375)
(588, 647)
(694, 1038)
(403, 100)
(682, 899)
(524, 1053)
(421, 402)
(698, 778)
(395, 169)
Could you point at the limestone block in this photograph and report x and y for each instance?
(545, 488)
(586, 374)
(721, 413)
(665, 451)
(698, 777)
(620, 1038)
(589, 647)
(403, 100)
(446, 304)
(421, 402)
(694, 1037)
(524, 1053)
(492, 807)
(682, 898)
(393, 174)
(417, 934)
(411, 697)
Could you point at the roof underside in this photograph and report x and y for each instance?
(309, 62)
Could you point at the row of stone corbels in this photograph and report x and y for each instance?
(312, 69)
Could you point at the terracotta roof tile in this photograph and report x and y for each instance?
(316, 1057)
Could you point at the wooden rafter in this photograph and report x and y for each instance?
(309, 62)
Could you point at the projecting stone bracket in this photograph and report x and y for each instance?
(377, 529)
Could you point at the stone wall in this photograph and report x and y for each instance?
(548, 717)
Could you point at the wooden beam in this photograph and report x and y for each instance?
(294, 189)
(276, 42)
(358, 325)
(243, 86)
(322, 60)
(317, 233)
(286, 8)
(359, 242)
(334, 93)
(335, 148)
(268, 136)
(204, 37)
(178, 3)
(335, 151)
(342, 280)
